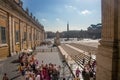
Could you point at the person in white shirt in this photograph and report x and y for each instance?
(37, 77)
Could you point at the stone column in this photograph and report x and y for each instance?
(13, 37)
(42, 34)
(35, 38)
(39, 38)
(21, 41)
(31, 36)
(108, 50)
(10, 34)
(119, 38)
(27, 43)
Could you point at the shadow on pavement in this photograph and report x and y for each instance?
(15, 70)
(14, 78)
(15, 61)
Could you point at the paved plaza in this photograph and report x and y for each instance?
(54, 57)
(48, 56)
(45, 55)
(10, 64)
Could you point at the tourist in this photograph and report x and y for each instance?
(37, 77)
(77, 77)
(91, 74)
(27, 73)
(19, 68)
(83, 74)
(83, 61)
(64, 79)
(94, 64)
(77, 72)
(55, 74)
(5, 77)
(31, 77)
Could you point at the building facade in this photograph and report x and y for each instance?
(19, 30)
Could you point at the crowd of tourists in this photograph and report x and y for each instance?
(31, 70)
(88, 72)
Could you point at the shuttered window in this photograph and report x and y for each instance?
(3, 27)
(25, 36)
(17, 36)
(3, 34)
(17, 32)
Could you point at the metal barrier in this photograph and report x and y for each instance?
(46, 50)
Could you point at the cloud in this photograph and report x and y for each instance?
(75, 9)
(85, 12)
(70, 7)
(57, 19)
(44, 20)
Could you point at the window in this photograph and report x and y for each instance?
(3, 27)
(25, 36)
(17, 32)
(17, 36)
(3, 35)
(30, 38)
(34, 36)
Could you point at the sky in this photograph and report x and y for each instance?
(55, 14)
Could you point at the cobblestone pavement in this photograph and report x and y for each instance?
(9, 66)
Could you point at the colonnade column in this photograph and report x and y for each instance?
(21, 37)
(10, 34)
(119, 38)
(108, 50)
(13, 36)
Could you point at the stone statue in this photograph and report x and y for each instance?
(57, 39)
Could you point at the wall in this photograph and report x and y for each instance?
(19, 27)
